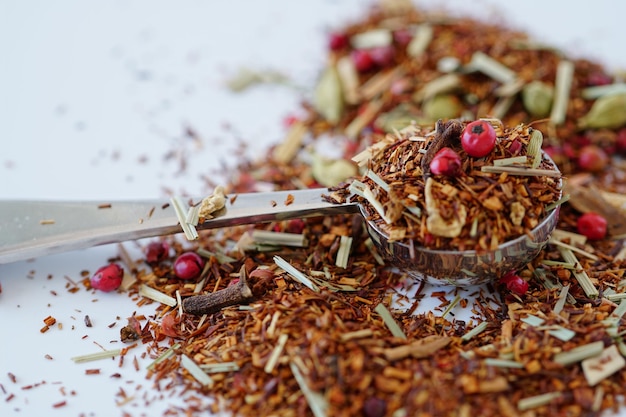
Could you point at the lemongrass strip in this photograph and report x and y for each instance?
(379, 181)
(566, 265)
(372, 38)
(580, 275)
(620, 310)
(510, 161)
(602, 366)
(422, 36)
(218, 368)
(221, 258)
(574, 238)
(595, 92)
(562, 334)
(560, 303)
(450, 306)
(503, 363)
(156, 295)
(295, 274)
(389, 321)
(479, 328)
(369, 243)
(369, 196)
(343, 253)
(195, 371)
(558, 202)
(275, 355)
(537, 400)
(574, 249)
(533, 321)
(193, 215)
(165, 355)
(439, 85)
(97, 356)
(579, 353)
(317, 402)
(529, 172)
(179, 301)
(562, 87)
(357, 334)
(598, 398)
(492, 68)
(190, 232)
(267, 237)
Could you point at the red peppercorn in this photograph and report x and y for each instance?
(337, 41)
(515, 283)
(157, 252)
(592, 225)
(620, 140)
(592, 158)
(599, 78)
(108, 278)
(189, 265)
(383, 55)
(446, 162)
(362, 60)
(478, 138)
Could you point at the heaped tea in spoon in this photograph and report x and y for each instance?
(468, 201)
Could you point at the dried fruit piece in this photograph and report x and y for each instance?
(592, 225)
(189, 265)
(478, 138)
(108, 278)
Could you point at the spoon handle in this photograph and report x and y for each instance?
(30, 228)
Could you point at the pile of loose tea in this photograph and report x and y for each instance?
(309, 322)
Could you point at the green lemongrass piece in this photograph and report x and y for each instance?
(580, 275)
(268, 237)
(558, 202)
(440, 85)
(530, 172)
(562, 333)
(295, 274)
(179, 208)
(371, 198)
(317, 403)
(371, 39)
(193, 215)
(451, 306)
(468, 272)
(168, 353)
(379, 181)
(503, 363)
(156, 295)
(534, 147)
(533, 320)
(349, 79)
(389, 321)
(510, 89)
(620, 310)
(369, 243)
(560, 303)
(343, 253)
(574, 238)
(598, 398)
(474, 229)
(602, 366)
(220, 257)
(573, 249)
(275, 355)
(106, 354)
(492, 68)
(422, 37)
(218, 368)
(195, 371)
(579, 353)
(595, 92)
(537, 400)
(566, 265)
(562, 87)
(510, 161)
(479, 328)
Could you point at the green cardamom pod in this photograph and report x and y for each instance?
(331, 172)
(328, 98)
(534, 147)
(397, 118)
(537, 98)
(442, 106)
(607, 112)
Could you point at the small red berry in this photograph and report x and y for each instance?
(362, 60)
(445, 162)
(383, 55)
(108, 278)
(592, 158)
(337, 41)
(620, 140)
(592, 225)
(157, 252)
(478, 138)
(514, 283)
(403, 36)
(599, 78)
(189, 265)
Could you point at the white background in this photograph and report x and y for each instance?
(94, 95)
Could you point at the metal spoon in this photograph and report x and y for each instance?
(30, 229)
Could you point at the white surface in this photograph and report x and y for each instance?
(88, 89)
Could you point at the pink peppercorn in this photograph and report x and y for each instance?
(592, 225)
(157, 252)
(592, 158)
(337, 41)
(189, 265)
(445, 162)
(478, 138)
(362, 60)
(108, 278)
(514, 283)
(383, 55)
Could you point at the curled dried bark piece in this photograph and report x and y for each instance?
(211, 303)
(436, 224)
